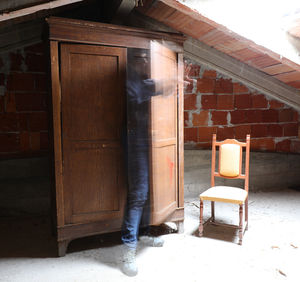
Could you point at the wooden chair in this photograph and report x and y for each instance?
(230, 166)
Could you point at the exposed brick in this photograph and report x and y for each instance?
(241, 131)
(186, 118)
(286, 115)
(270, 115)
(239, 88)
(192, 70)
(238, 117)
(274, 104)
(204, 145)
(290, 129)
(8, 122)
(36, 48)
(38, 121)
(275, 130)
(9, 142)
(190, 134)
(201, 118)
(190, 102)
(44, 140)
(219, 117)
(259, 130)
(10, 103)
(24, 141)
(188, 85)
(2, 78)
(262, 144)
(31, 102)
(36, 63)
(225, 133)
(205, 85)
(209, 74)
(205, 133)
(296, 116)
(20, 82)
(243, 101)
(41, 82)
(225, 102)
(259, 101)
(254, 116)
(209, 101)
(295, 146)
(283, 146)
(224, 86)
(16, 60)
(35, 141)
(23, 121)
(1, 104)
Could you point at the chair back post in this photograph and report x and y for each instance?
(247, 162)
(213, 161)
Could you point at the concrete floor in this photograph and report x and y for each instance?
(270, 251)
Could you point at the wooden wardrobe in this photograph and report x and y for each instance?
(88, 69)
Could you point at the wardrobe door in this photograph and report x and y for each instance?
(93, 85)
(163, 122)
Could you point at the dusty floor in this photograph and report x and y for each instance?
(270, 252)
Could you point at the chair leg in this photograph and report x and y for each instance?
(201, 219)
(241, 225)
(212, 211)
(246, 213)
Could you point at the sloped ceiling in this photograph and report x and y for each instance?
(190, 22)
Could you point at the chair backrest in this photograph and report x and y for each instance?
(230, 160)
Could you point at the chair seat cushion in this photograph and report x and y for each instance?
(225, 194)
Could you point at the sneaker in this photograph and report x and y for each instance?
(129, 261)
(152, 241)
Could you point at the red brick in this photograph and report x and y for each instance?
(41, 83)
(275, 130)
(204, 145)
(243, 101)
(8, 122)
(24, 141)
(296, 116)
(190, 134)
(38, 121)
(254, 116)
(188, 85)
(44, 141)
(290, 129)
(259, 101)
(190, 101)
(262, 144)
(241, 131)
(10, 103)
(31, 102)
(209, 101)
(36, 48)
(274, 104)
(36, 63)
(186, 118)
(1, 104)
(9, 142)
(2, 78)
(225, 133)
(205, 85)
(238, 117)
(23, 121)
(201, 118)
(20, 82)
(283, 146)
(209, 74)
(224, 86)
(225, 102)
(192, 70)
(270, 115)
(259, 130)
(219, 117)
(35, 141)
(16, 60)
(286, 115)
(295, 146)
(240, 88)
(205, 133)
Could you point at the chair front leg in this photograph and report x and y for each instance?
(201, 219)
(241, 225)
(246, 213)
(212, 211)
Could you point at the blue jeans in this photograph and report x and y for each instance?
(137, 210)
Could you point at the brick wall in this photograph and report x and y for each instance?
(24, 101)
(214, 103)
